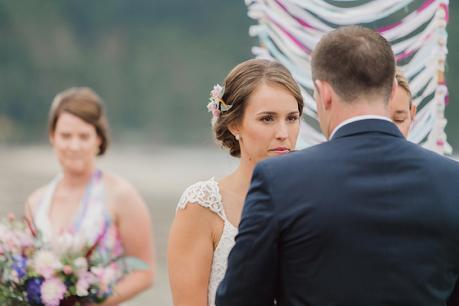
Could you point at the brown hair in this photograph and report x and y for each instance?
(402, 81)
(239, 84)
(84, 103)
(355, 61)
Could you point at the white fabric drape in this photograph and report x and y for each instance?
(289, 29)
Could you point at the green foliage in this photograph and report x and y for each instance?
(153, 62)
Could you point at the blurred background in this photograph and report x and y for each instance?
(153, 62)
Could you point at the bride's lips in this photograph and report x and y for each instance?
(280, 150)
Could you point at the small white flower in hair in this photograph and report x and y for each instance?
(216, 105)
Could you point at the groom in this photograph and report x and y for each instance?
(365, 219)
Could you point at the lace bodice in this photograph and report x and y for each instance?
(207, 194)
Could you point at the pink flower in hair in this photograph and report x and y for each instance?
(216, 93)
(216, 105)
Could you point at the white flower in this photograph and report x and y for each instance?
(3, 232)
(68, 243)
(216, 93)
(85, 280)
(46, 263)
(82, 287)
(80, 264)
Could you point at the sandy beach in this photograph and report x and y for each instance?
(160, 174)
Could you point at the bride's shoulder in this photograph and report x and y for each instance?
(205, 193)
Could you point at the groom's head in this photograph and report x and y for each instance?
(353, 70)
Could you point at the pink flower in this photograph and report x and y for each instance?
(211, 106)
(216, 113)
(216, 93)
(67, 270)
(52, 291)
(11, 217)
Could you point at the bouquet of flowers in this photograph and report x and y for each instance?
(63, 273)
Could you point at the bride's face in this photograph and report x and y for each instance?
(270, 124)
(75, 144)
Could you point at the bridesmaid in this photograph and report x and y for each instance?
(83, 198)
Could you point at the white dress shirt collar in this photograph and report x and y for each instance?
(357, 118)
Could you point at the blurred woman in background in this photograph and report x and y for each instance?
(99, 208)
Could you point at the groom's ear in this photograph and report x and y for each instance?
(325, 92)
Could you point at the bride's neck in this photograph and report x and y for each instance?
(243, 175)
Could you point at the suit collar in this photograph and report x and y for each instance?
(367, 126)
(357, 118)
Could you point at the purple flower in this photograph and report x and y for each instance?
(33, 288)
(20, 265)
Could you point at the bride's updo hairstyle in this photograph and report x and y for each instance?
(240, 83)
(85, 104)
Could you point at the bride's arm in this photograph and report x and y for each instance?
(190, 253)
(134, 224)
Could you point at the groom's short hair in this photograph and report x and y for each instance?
(355, 61)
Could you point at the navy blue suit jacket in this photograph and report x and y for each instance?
(365, 219)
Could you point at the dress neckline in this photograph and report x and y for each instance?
(78, 217)
(220, 201)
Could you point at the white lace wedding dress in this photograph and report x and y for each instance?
(207, 194)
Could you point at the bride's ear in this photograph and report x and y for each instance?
(235, 129)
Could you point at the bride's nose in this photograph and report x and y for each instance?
(282, 131)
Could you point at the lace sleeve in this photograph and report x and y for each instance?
(204, 193)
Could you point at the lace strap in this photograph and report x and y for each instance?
(204, 193)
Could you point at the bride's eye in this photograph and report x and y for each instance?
(267, 119)
(292, 118)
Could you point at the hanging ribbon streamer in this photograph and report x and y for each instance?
(288, 30)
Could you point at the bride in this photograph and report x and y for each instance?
(255, 116)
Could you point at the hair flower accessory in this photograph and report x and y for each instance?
(216, 105)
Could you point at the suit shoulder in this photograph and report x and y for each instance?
(293, 159)
(435, 158)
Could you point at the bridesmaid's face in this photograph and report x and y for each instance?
(75, 143)
(402, 111)
(270, 124)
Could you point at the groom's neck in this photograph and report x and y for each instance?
(347, 110)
